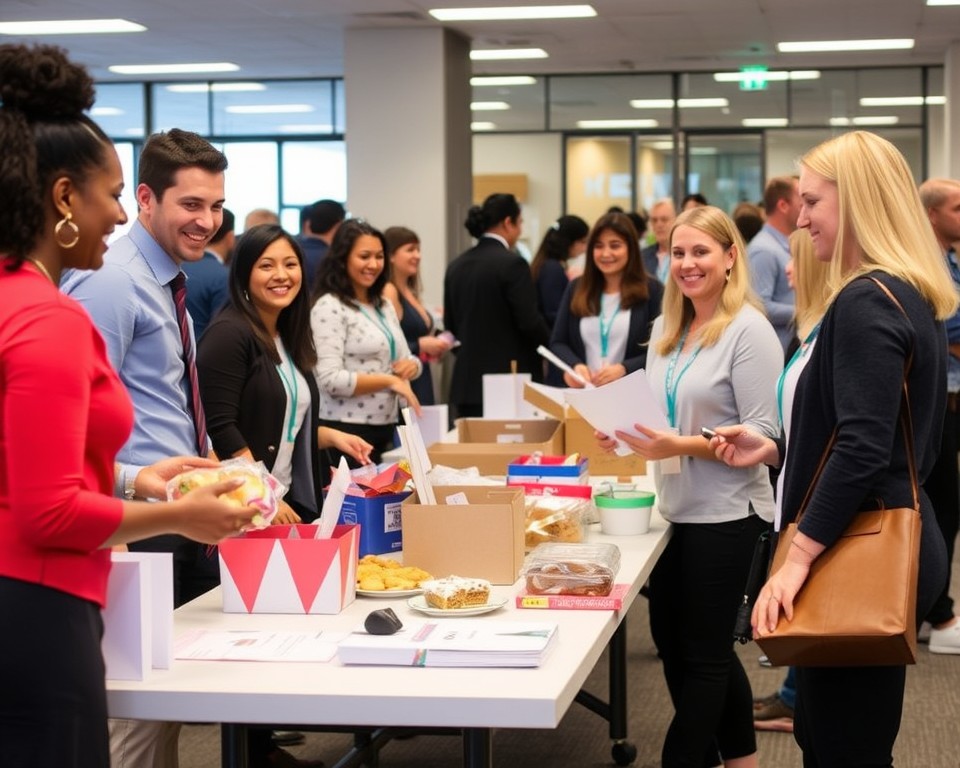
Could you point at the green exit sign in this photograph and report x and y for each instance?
(753, 78)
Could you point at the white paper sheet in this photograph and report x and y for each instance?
(618, 406)
(258, 645)
(334, 500)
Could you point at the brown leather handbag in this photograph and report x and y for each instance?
(858, 604)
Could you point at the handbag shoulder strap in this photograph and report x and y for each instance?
(906, 426)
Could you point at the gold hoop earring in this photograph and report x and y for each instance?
(66, 221)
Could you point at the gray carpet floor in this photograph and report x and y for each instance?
(929, 735)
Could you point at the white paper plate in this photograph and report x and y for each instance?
(388, 593)
(419, 603)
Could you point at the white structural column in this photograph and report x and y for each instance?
(951, 122)
(408, 138)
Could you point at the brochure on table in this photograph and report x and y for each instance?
(453, 643)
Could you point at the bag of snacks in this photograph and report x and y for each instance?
(571, 569)
(260, 489)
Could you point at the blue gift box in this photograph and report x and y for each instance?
(379, 521)
(547, 469)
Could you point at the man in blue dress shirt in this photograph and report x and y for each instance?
(769, 252)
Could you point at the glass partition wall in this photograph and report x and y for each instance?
(623, 139)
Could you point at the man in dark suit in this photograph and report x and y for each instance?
(490, 305)
(319, 222)
(207, 278)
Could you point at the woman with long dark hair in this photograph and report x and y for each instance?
(364, 366)
(604, 321)
(255, 365)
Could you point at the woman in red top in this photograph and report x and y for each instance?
(63, 415)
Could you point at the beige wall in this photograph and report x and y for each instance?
(540, 158)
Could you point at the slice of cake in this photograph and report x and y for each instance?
(455, 592)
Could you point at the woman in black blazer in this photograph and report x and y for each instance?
(605, 316)
(255, 365)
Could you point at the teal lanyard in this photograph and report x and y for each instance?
(382, 322)
(291, 386)
(605, 329)
(672, 383)
(801, 351)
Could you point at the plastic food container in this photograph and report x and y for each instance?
(554, 519)
(624, 512)
(571, 569)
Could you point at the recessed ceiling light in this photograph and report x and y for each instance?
(512, 13)
(173, 69)
(827, 46)
(505, 80)
(640, 123)
(215, 87)
(70, 27)
(737, 77)
(901, 101)
(482, 125)
(106, 112)
(764, 122)
(865, 120)
(498, 54)
(268, 109)
(682, 103)
(488, 106)
(306, 128)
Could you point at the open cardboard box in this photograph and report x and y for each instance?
(491, 444)
(286, 569)
(579, 437)
(478, 534)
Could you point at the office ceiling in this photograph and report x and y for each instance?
(304, 38)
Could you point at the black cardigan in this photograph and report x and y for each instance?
(567, 343)
(245, 402)
(853, 381)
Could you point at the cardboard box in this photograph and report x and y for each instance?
(379, 521)
(491, 444)
(286, 569)
(479, 537)
(578, 438)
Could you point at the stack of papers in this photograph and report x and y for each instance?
(452, 643)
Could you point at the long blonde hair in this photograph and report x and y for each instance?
(880, 210)
(678, 309)
(810, 283)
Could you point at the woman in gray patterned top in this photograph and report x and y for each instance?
(364, 365)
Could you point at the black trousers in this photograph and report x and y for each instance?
(943, 488)
(824, 728)
(695, 590)
(53, 701)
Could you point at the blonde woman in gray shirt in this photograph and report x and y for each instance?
(714, 359)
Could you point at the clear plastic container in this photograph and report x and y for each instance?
(554, 518)
(571, 569)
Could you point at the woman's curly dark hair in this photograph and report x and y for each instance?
(44, 134)
(332, 274)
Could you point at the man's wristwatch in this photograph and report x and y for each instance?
(129, 483)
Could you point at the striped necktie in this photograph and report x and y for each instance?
(179, 287)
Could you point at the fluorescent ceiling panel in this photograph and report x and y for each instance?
(173, 69)
(833, 46)
(503, 54)
(70, 27)
(512, 13)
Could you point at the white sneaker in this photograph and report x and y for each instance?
(946, 640)
(923, 634)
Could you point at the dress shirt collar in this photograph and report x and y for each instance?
(777, 235)
(164, 268)
(499, 239)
